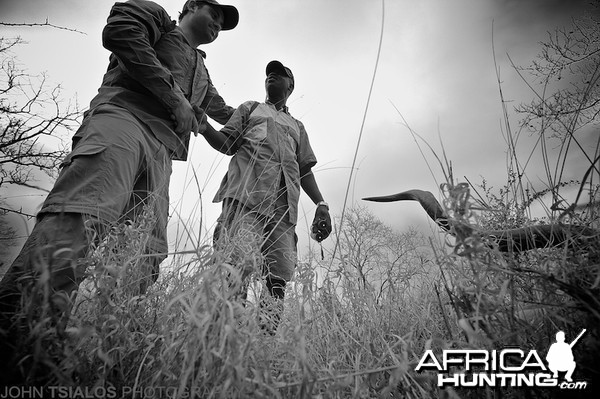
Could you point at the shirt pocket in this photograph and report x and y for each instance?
(256, 133)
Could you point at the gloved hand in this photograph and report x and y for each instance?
(321, 225)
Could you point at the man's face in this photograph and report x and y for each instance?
(277, 85)
(206, 22)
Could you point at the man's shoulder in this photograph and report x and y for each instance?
(145, 6)
(249, 106)
(251, 103)
(148, 4)
(299, 123)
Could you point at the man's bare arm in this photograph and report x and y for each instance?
(218, 140)
(310, 187)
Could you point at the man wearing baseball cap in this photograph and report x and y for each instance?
(230, 13)
(120, 165)
(272, 160)
(278, 68)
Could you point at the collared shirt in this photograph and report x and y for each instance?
(152, 69)
(273, 151)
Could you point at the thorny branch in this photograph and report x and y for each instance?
(46, 23)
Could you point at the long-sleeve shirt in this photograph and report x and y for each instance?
(152, 69)
(274, 149)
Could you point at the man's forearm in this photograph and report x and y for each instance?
(217, 140)
(215, 106)
(310, 187)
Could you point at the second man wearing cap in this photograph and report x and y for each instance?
(272, 159)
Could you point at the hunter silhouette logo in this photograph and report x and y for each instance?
(509, 367)
(560, 356)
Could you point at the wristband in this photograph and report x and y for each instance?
(323, 203)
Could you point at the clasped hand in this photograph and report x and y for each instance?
(186, 118)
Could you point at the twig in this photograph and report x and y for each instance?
(47, 23)
(17, 212)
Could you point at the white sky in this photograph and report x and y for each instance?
(436, 67)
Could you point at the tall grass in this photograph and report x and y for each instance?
(338, 337)
(187, 333)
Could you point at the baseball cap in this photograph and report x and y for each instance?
(231, 16)
(278, 67)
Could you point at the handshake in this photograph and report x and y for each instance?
(188, 118)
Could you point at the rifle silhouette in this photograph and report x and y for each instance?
(577, 338)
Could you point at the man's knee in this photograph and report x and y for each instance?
(54, 248)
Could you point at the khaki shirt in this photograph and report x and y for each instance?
(274, 149)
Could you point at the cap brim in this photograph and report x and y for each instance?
(231, 17)
(276, 66)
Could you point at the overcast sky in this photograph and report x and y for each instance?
(436, 68)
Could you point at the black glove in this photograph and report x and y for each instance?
(321, 225)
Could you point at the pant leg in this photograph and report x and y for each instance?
(51, 253)
(280, 253)
(118, 172)
(279, 250)
(280, 247)
(111, 155)
(148, 208)
(40, 283)
(271, 304)
(238, 239)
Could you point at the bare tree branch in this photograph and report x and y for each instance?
(18, 212)
(33, 122)
(37, 24)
